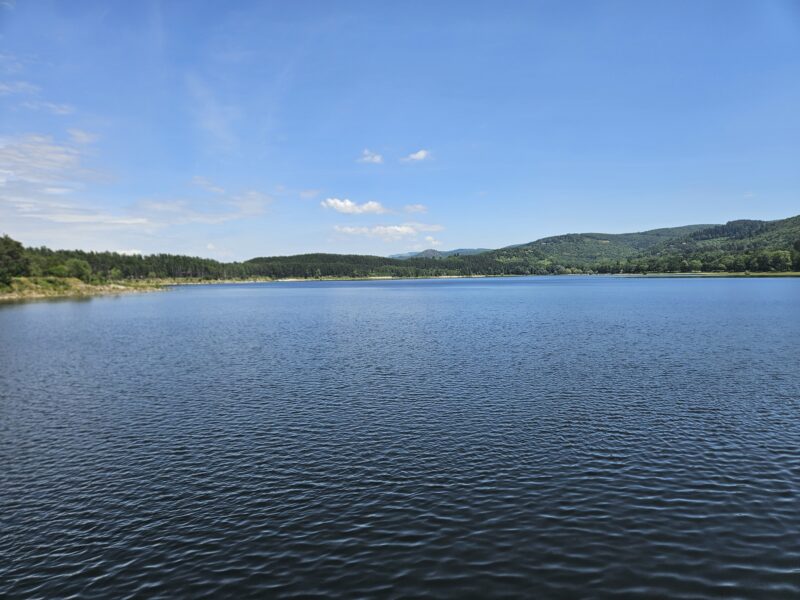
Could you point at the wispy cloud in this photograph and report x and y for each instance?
(31, 92)
(37, 176)
(367, 156)
(207, 184)
(40, 178)
(417, 156)
(36, 159)
(8, 88)
(389, 233)
(349, 207)
(160, 212)
(10, 63)
(415, 208)
(308, 194)
(250, 203)
(53, 108)
(79, 136)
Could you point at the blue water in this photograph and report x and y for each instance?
(547, 437)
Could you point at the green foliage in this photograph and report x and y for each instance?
(590, 248)
(78, 268)
(13, 260)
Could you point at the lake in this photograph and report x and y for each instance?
(535, 436)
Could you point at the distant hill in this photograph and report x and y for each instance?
(735, 247)
(737, 236)
(431, 253)
(590, 248)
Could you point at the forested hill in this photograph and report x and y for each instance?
(737, 246)
(738, 236)
(591, 248)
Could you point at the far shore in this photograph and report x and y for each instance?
(713, 274)
(41, 288)
(389, 277)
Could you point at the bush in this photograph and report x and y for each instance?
(78, 268)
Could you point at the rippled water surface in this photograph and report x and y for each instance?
(562, 437)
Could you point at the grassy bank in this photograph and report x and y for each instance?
(32, 288)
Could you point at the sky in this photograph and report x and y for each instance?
(239, 129)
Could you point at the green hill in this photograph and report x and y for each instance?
(737, 236)
(737, 246)
(590, 249)
(743, 245)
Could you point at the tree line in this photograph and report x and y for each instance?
(17, 261)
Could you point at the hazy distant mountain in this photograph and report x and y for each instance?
(431, 253)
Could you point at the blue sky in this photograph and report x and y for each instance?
(241, 129)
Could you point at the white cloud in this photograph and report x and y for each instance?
(165, 212)
(385, 232)
(308, 194)
(351, 208)
(93, 218)
(250, 203)
(10, 63)
(130, 252)
(39, 178)
(415, 208)
(426, 227)
(57, 191)
(79, 136)
(432, 241)
(36, 159)
(417, 156)
(25, 88)
(51, 107)
(211, 246)
(206, 184)
(389, 233)
(8, 88)
(367, 156)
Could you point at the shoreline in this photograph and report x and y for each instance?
(695, 275)
(23, 289)
(45, 288)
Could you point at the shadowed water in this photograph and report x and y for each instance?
(561, 437)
